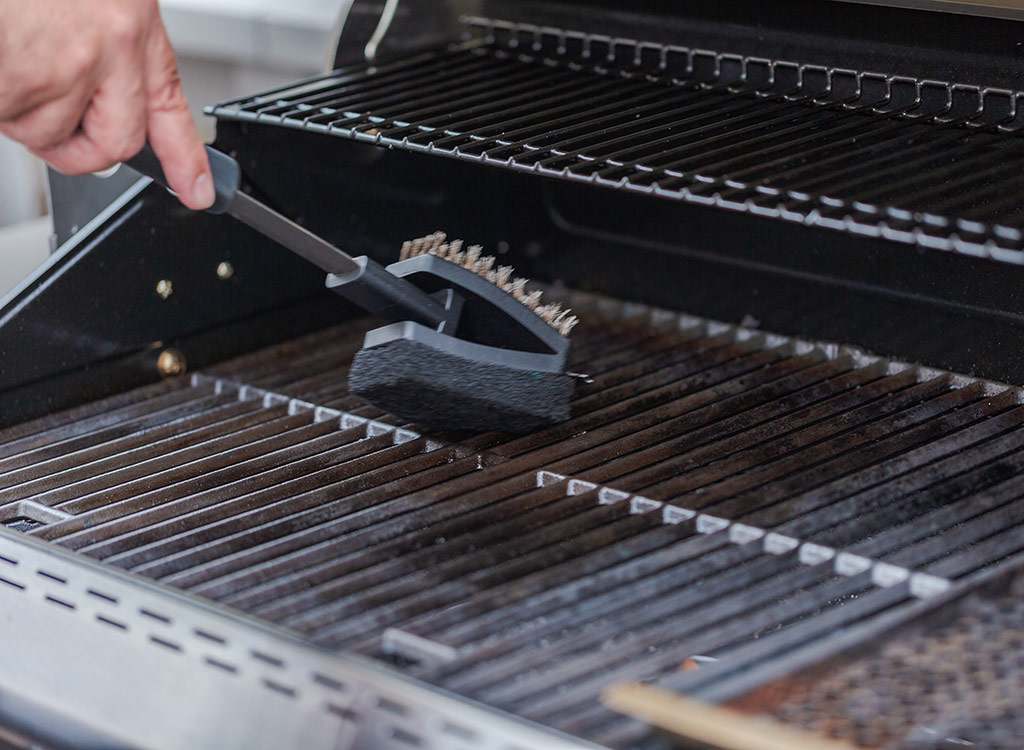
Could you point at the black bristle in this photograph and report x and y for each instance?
(441, 391)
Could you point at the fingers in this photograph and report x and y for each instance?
(113, 126)
(172, 133)
(50, 124)
(116, 83)
(34, 74)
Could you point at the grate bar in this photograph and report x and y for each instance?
(57, 439)
(524, 465)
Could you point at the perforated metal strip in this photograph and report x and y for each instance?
(886, 575)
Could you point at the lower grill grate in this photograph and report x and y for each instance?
(718, 491)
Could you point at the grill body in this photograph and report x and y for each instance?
(716, 192)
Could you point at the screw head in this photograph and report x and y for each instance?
(171, 362)
(164, 288)
(225, 270)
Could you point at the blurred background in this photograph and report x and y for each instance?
(226, 48)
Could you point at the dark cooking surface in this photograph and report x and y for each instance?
(719, 492)
(956, 681)
(963, 682)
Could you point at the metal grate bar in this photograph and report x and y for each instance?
(157, 406)
(803, 608)
(272, 469)
(393, 79)
(302, 541)
(687, 150)
(276, 430)
(689, 611)
(208, 417)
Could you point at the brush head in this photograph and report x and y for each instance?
(485, 266)
(497, 362)
(444, 391)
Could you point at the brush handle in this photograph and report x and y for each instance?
(387, 296)
(227, 175)
(361, 280)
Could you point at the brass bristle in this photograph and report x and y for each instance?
(568, 324)
(455, 254)
(432, 243)
(484, 265)
(532, 300)
(472, 259)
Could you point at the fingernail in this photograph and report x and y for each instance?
(202, 190)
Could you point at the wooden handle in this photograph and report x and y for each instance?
(719, 727)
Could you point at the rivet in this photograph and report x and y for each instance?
(171, 362)
(225, 270)
(164, 288)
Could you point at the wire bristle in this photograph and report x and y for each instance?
(473, 260)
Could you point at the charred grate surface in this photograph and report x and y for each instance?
(958, 684)
(926, 162)
(717, 489)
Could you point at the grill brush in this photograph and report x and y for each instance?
(466, 348)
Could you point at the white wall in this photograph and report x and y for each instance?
(226, 48)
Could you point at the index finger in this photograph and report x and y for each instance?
(172, 133)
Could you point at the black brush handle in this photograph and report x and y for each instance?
(362, 280)
(387, 296)
(227, 175)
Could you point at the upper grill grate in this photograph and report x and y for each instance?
(924, 162)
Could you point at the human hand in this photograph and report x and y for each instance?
(84, 83)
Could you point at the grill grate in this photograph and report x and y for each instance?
(924, 162)
(717, 489)
(951, 680)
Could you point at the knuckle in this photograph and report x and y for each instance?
(168, 95)
(80, 59)
(115, 144)
(125, 25)
(128, 146)
(35, 86)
